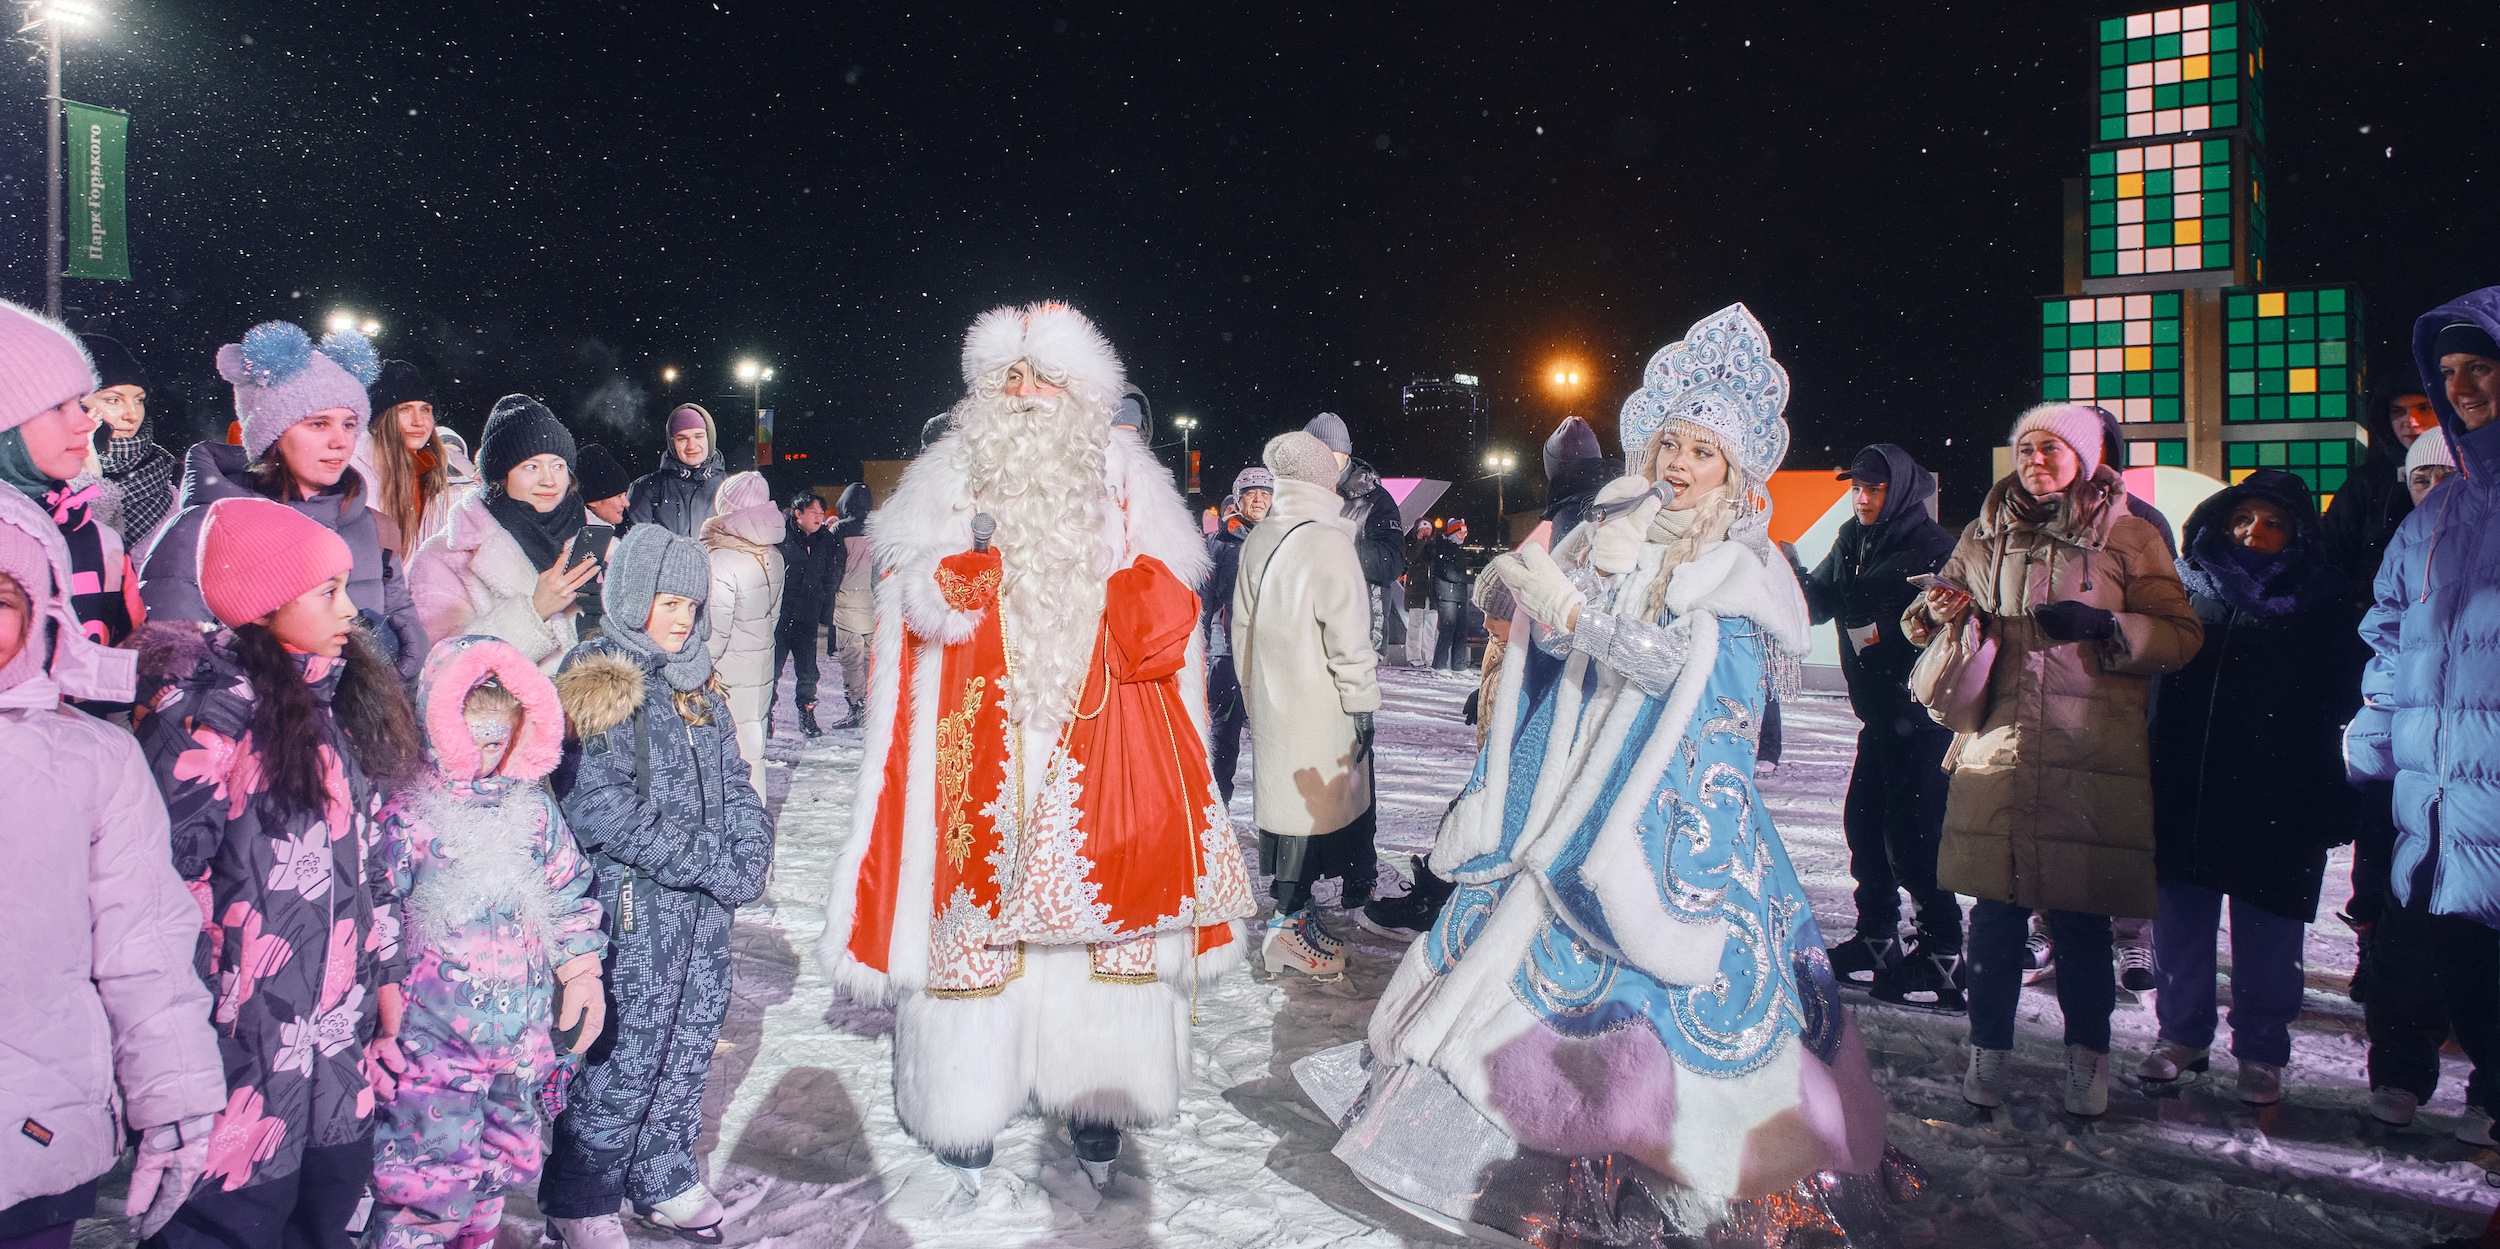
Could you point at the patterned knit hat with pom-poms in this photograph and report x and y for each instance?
(280, 377)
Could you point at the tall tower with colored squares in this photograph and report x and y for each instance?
(2165, 319)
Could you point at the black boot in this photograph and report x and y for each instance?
(1861, 958)
(807, 720)
(1929, 977)
(1097, 1146)
(1409, 917)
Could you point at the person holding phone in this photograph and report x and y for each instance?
(2051, 804)
(504, 565)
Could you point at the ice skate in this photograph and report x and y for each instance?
(2135, 968)
(807, 721)
(2087, 1082)
(2039, 955)
(2169, 1061)
(2261, 1084)
(605, 1231)
(1983, 1082)
(1860, 960)
(694, 1215)
(1923, 981)
(1408, 917)
(1292, 946)
(2474, 1128)
(2393, 1106)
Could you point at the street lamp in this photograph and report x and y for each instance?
(668, 376)
(1565, 379)
(1189, 466)
(51, 16)
(1499, 464)
(342, 320)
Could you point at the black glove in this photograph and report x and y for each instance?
(2069, 621)
(1362, 736)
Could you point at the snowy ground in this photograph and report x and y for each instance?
(804, 1147)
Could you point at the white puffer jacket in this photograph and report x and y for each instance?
(747, 576)
(1302, 647)
(106, 1018)
(473, 578)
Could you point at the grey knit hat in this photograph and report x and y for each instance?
(647, 563)
(1300, 457)
(1330, 429)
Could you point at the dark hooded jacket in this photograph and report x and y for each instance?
(2431, 722)
(1864, 581)
(814, 564)
(1576, 468)
(170, 580)
(677, 496)
(2248, 793)
(2114, 454)
(2373, 500)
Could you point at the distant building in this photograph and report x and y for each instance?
(1443, 424)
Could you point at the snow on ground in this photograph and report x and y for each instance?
(803, 1145)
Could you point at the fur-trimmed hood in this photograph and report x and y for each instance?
(600, 688)
(1055, 338)
(460, 664)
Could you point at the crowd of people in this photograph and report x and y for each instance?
(387, 806)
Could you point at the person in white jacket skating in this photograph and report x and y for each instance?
(743, 537)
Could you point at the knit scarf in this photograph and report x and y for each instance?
(2256, 582)
(17, 467)
(2034, 510)
(541, 535)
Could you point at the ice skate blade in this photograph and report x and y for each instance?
(1399, 935)
(710, 1235)
(967, 1179)
(1096, 1173)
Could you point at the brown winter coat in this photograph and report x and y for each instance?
(2051, 804)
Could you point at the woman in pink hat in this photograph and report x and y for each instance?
(302, 409)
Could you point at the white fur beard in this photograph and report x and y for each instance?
(1037, 466)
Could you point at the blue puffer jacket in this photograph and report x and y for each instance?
(2431, 714)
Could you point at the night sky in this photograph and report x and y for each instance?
(1269, 211)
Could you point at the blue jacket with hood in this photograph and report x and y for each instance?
(2430, 719)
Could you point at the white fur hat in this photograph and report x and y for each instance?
(1055, 338)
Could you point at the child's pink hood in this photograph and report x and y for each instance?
(460, 664)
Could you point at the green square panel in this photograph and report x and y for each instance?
(2166, 207)
(2303, 356)
(2185, 70)
(2123, 354)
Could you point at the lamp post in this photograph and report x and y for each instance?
(1566, 382)
(668, 375)
(341, 319)
(756, 374)
(1499, 464)
(51, 15)
(1188, 465)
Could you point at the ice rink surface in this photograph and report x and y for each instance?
(803, 1146)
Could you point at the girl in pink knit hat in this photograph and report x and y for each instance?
(271, 741)
(44, 443)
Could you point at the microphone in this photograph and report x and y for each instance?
(982, 528)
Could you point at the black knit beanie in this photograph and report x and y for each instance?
(400, 383)
(521, 427)
(602, 477)
(114, 365)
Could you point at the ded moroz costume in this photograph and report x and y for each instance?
(1040, 874)
(1622, 1029)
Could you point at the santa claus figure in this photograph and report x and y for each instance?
(1040, 875)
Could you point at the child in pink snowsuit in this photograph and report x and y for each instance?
(506, 943)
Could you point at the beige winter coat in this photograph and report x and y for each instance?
(747, 577)
(1302, 646)
(2051, 803)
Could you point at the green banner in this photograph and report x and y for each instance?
(97, 232)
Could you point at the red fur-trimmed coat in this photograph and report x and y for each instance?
(889, 932)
